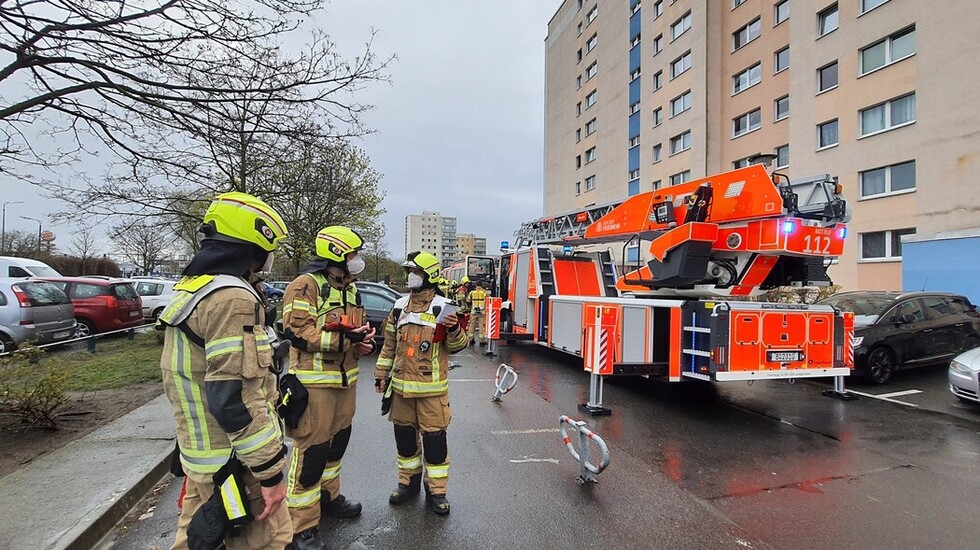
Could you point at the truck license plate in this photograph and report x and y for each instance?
(784, 356)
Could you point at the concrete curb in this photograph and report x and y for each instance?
(105, 520)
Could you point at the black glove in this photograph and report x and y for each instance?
(356, 337)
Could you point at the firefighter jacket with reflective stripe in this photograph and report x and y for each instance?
(216, 365)
(417, 347)
(316, 314)
(477, 299)
(462, 299)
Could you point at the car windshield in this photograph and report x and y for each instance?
(869, 306)
(124, 292)
(149, 289)
(481, 268)
(43, 294)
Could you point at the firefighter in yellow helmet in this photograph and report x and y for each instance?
(462, 298)
(477, 300)
(218, 373)
(324, 320)
(420, 333)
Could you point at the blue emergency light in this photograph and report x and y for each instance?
(566, 250)
(504, 245)
(789, 226)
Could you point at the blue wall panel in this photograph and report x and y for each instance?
(634, 91)
(635, 24)
(945, 265)
(634, 158)
(634, 129)
(634, 58)
(633, 188)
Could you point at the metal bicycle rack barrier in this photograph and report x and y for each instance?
(505, 381)
(585, 435)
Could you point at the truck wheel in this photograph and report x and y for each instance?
(880, 367)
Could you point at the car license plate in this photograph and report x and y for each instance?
(784, 356)
(134, 313)
(62, 334)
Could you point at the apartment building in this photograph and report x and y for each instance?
(642, 94)
(468, 244)
(431, 232)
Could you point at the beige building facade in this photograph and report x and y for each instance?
(468, 244)
(641, 94)
(431, 232)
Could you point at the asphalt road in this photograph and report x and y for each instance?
(772, 465)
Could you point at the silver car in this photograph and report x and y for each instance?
(155, 293)
(963, 376)
(35, 311)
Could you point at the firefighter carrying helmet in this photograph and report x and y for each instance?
(242, 218)
(336, 242)
(427, 263)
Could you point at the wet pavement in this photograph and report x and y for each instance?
(772, 465)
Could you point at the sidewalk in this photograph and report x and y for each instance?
(72, 497)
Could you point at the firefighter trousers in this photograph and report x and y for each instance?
(319, 442)
(273, 533)
(420, 437)
(474, 327)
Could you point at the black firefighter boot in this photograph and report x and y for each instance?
(307, 540)
(405, 492)
(438, 503)
(340, 507)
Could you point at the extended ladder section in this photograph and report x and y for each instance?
(563, 228)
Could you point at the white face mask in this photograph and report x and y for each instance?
(355, 265)
(414, 281)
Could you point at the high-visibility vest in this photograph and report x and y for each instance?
(331, 368)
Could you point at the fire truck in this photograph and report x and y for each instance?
(476, 268)
(685, 313)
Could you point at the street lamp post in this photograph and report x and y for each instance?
(3, 226)
(38, 232)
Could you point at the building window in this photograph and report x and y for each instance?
(747, 34)
(680, 103)
(591, 71)
(635, 74)
(680, 177)
(578, 135)
(827, 134)
(782, 156)
(658, 152)
(747, 78)
(884, 245)
(590, 99)
(580, 2)
(658, 8)
(827, 21)
(580, 29)
(885, 52)
(578, 161)
(658, 44)
(782, 60)
(658, 116)
(578, 108)
(827, 77)
(868, 5)
(656, 185)
(680, 143)
(781, 12)
(737, 3)
(579, 55)
(740, 163)
(744, 124)
(593, 13)
(680, 26)
(578, 82)
(578, 188)
(590, 183)
(633, 174)
(592, 43)
(634, 107)
(634, 141)
(782, 108)
(680, 65)
(658, 80)
(890, 179)
(590, 127)
(888, 115)
(590, 155)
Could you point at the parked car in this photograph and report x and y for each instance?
(895, 331)
(377, 305)
(102, 305)
(281, 285)
(272, 293)
(155, 294)
(378, 287)
(964, 376)
(33, 311)
(25, 267)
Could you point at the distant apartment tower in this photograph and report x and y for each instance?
(880, 93)
(433, 233)
(470, 245)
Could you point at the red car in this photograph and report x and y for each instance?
(101, 305)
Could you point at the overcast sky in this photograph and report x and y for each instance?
(459, 130)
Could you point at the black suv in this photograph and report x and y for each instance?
(894, 330)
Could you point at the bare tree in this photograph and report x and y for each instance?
(142, 243)
(84, 245)
(112, 69)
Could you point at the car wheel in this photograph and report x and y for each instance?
(156, 313)
(880, 367)
(85, 329)
(6, 344)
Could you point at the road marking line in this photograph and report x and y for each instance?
(526, 460)
(881, 398)
(900, 393)
(454, 380)
(525, 432)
